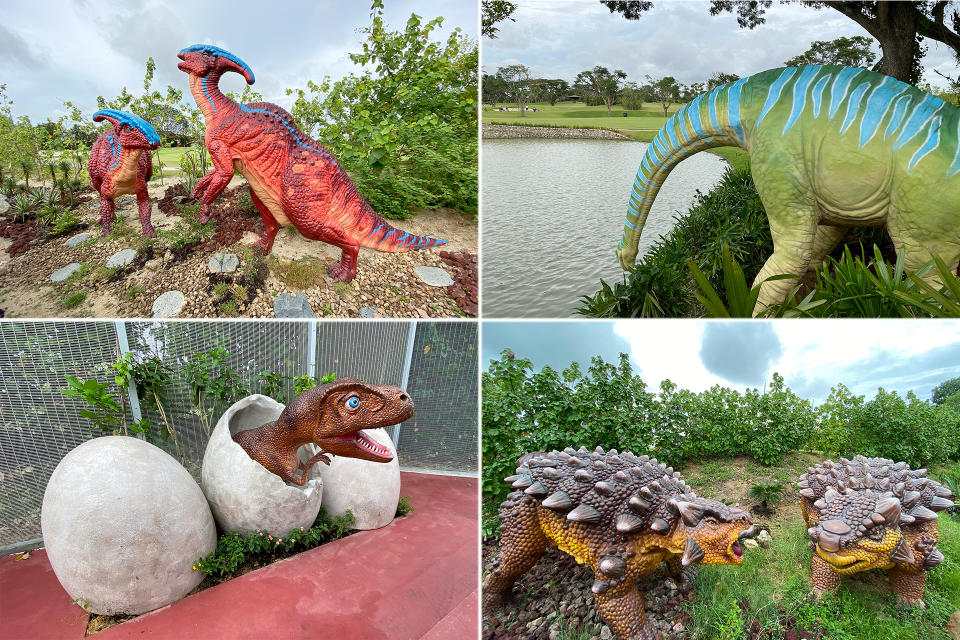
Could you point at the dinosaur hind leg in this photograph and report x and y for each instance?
(346, 269)
(265, 243)
(824, 577)
(143, 203)
(921, 242)
(908, 585)
(824, 240)
(107, 214)
(521, 544)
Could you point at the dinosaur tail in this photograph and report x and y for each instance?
(382, 236)
(711, 120)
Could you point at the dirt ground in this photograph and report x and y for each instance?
(386, 283)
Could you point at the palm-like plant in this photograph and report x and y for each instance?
(9, 186)
(26, 166)
(22, 205)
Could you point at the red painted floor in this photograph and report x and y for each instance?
(416, 578)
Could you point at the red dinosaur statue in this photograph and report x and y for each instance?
(293, 180)
(118, 165)
(332, 417)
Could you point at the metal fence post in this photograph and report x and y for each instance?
(407, 359)
(312, 349)
(121, 328)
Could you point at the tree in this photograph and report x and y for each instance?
(895, 25)
(494, 11)
(494, 89)
(516, 79)
(690, 91)
(602, 83)
(945, 389)
(848, 52)
(546, 90)
(719, 78)
(632, 97)
(666, 91)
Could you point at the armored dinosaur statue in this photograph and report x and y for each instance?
(621, 514)
(118, 165)
(331, 416)
(293, 180)
(830, 148)
(872, 513)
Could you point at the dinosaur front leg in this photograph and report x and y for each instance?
(824, 577)
(270, 225)
(319, 457)
(622, 609)
(218, 179)
(679, 572)
(106, 214)
(521, 544)
(921, 240)
(793, 225)
(908, 585)
(143, 203)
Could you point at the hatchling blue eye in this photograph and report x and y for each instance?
(353, 402)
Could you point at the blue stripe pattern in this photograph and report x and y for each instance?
(223, 53)
(818, 95)
(293, 132)
(800, 95)
(115, 150)
(733, 108)
(853, 106)
(132, 121)
(877, 106)
(203, 83)
(773, 94)
(839, 88)
(920, 116)
(933, 139)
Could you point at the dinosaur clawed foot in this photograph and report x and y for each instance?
(149, 232)
(340, 272)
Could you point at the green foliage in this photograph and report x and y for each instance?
(843, 51)
(404, 507)
(406, 129)
(105, 412)
(950, 478)
(275, 385)
(767, 492)
(75, 299)
(302, 383)
(188, 231)
(233, 549)
(907, 429)
(212, 383)
(944, 390)
(609, 406)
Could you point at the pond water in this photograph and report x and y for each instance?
(553, 213)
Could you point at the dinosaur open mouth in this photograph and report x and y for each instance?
(368, 444)
(736, 549)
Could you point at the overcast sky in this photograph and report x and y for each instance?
(51, 51)
(560, 38)
(811, 355)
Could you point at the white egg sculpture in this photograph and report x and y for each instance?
(243, 495)
(123, 524)
(371, 490)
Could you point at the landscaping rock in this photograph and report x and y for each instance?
(953, 626)
(168, 304)
(4, 205)
(370, 312)
(123, 523)
(293, 305)
(62, 274)
(764, 539)
(77, 239)
(371, 490)
(243, 495)
(750, 543)
(223, 263)
(434, 276)
(121, 258)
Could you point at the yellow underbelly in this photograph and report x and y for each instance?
(266, 196)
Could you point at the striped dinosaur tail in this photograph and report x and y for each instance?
(384, 237)
(710, 120)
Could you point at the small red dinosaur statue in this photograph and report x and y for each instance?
(293, 180)
(118, 165)
(332, 417)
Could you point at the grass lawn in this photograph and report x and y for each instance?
(773, 584)
(171, 159)
(640, 125)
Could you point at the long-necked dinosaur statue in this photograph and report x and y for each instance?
(293, 180)
(830, 148)
(118, 165)
(619, 513)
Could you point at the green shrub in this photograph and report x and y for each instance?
(768, 492)
(404, 507)
(233, 549)
(74, 299)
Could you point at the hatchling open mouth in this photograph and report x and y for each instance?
(368, 444)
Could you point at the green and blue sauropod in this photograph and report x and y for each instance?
(830, 148)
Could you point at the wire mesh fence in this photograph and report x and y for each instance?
(39, 424)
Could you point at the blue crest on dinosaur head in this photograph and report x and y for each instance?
(131, 120)
(223, 53)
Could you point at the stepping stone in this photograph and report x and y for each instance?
(4, 205)
(62, 274)
(223, 263)
(121, 258)
(293, 305)
(168, 304)
(434, 276)
(370, 312)
(77, 239)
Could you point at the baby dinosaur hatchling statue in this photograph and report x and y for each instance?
(872, 513)
(333, 417)
(619, 513)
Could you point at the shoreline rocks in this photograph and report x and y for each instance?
(504, 131)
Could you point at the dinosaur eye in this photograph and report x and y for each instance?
(712, 522)
(353, 402)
